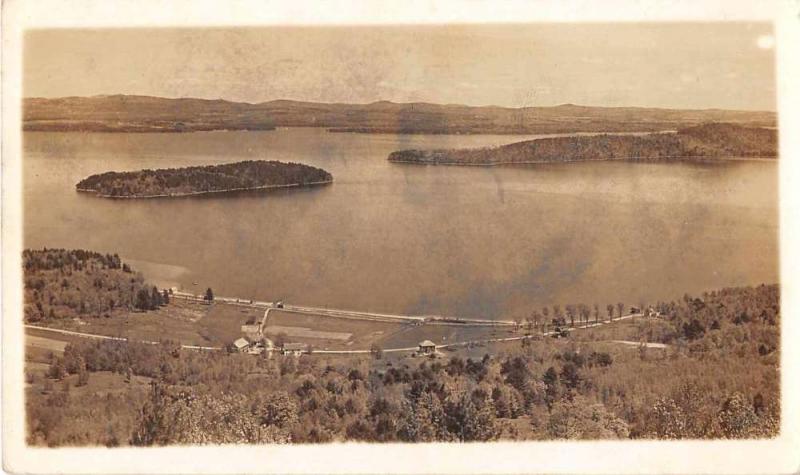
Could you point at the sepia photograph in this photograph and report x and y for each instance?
(397, 234)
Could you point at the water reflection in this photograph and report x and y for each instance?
(466, 241)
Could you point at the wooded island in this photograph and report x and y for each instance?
(712, 140)
(173, 182)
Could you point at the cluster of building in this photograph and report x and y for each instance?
(254, 342)
(648, 312)
(243, 345)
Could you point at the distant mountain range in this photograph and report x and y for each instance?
(128, 113)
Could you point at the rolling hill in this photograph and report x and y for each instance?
(126, 113)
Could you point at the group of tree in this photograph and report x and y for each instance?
(540, 321)
(62, 284)
(152, 299)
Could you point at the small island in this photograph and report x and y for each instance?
(707, 141)
(189, 181)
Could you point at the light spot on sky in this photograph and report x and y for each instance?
(766, 41)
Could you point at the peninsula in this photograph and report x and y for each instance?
(706, 141)
(229, 177)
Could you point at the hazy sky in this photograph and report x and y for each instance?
(681, 65)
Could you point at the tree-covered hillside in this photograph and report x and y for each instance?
(718, 378)
(61, 284)
(128, 113)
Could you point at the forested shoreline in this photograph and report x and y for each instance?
(174, 182)
(61, 284)
(718, 378)
(707, 141)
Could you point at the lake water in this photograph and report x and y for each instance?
(468, 241)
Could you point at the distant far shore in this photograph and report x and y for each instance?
(125, 113)
(136, 128)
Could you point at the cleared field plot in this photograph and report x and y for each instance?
(34, 367)
(151, 326)
(633, 329)
(186, 310)
(39, 355)
(622, 329)
(443, 334)
(40, 345)
(304, 332)
(324, 332)
(364, 332)
(223, 322)
(51, 335)
(175, 321)
(55, 346)
(188, 322)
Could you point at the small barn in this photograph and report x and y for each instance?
(427, 347)
(294, 349)
(241, 344)
(651, 312)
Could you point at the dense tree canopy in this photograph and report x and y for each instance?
(63, 283)
(251, 174)
(712, 140)
(716, 383)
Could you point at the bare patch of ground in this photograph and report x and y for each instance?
(328, 332)
(223, 322)
(305, 332)
(45, 343)
(176, 321)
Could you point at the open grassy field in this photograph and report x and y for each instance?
(222, 324)
(218, 324)
(185, 321)
(309, 328)
(45, 343)
(176, 321)
(634, 329)
(618, 330)
(444, 334)
(196, 323)
(324, 332)
(41, 345)
(39, 355)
